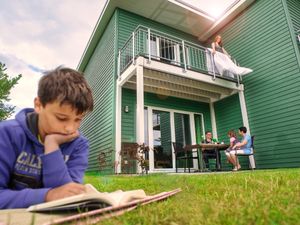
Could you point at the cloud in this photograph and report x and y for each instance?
(24, 92)
(41, 35)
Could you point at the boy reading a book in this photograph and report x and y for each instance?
(42, 154)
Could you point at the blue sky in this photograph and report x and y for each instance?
(38, 35)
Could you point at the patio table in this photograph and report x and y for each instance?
(203, 147)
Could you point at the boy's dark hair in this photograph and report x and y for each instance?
(243, 129)
(67, 86)
(207, 132)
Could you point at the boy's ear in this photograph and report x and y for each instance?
(37, 105)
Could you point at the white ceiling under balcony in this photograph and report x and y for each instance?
(201, 18)
(165, 84)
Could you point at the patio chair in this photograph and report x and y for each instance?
(250, 154)
(186, 154)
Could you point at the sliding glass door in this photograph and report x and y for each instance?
(162, 139)
(162, 127)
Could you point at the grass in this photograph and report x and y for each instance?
(258, 197)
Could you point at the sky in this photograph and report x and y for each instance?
(39, 35)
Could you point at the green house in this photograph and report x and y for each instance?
(153, 81)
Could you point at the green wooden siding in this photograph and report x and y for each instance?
(228, 116)
(98, 127)
(260, 39)
(294, 12)
(129, 98)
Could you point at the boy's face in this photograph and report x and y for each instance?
(208, 135)
(56, 119)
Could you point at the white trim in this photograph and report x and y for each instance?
(173, 137)
(185, 6)
(246, 122)
(140, 107)
(213, 120)
(126, 75)
(244, 111)
(118, 131)
(193, 137)
(150, 138)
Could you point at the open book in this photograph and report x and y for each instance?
(90, 200)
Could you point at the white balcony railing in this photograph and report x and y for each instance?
(156, 45)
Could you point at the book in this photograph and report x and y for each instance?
(24, 217)
(97, 215)
(92, 199)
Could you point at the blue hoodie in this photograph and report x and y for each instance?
(26, 174)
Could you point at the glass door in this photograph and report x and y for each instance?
(162, 139)
(182, 133)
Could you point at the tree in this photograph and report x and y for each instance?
(6, 84)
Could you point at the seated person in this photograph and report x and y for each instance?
(209, 153)
(243, 147)
(232, 140)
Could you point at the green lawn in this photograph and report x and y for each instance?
(247, 197)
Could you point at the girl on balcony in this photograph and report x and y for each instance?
(222, 60)
(217, 45)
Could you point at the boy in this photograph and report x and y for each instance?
(42, 155)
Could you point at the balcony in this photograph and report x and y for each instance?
(158, 46)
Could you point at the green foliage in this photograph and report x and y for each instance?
(246, 197)
(6, 84)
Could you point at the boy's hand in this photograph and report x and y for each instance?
(66, 190)
(52, 141)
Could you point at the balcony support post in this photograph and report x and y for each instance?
(140, 139)
(245, 121)
(118, 130)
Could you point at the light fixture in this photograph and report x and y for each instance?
(126, 109)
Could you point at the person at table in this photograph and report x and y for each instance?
(232, 140)
(243, 147)
(209, 153)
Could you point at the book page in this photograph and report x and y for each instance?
(127, 196)
(90, 200)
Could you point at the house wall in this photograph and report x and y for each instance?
(129, 98)
(294, 12)
(260, 38)
(98, 126)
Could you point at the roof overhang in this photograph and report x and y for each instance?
(172, 13)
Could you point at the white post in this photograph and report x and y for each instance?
(133, 49)
(173, 138)
(213, 120)
(119, 64)
(150, 138)
(139, 107)
(184, 58)
(118, 128)
(193, 138)
(149, 45)
(246, 121)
